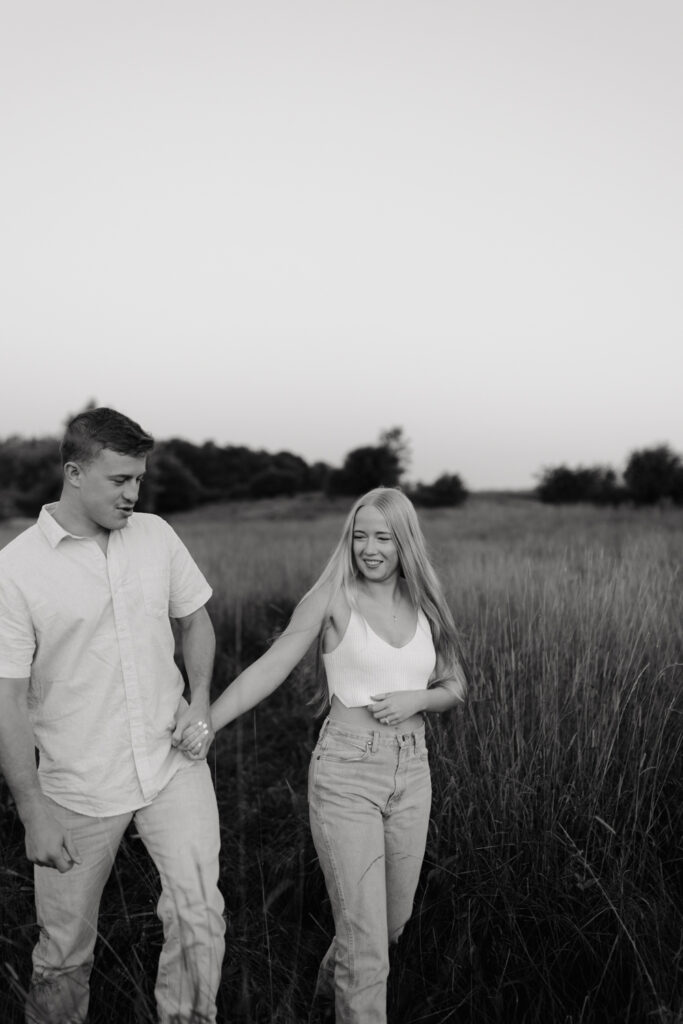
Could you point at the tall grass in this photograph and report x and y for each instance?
(551, 889)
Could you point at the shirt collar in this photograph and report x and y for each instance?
(50, 527)
(53, 532)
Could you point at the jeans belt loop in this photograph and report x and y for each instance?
(375, 742)
(324, 728)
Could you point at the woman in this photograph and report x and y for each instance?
(390, 653)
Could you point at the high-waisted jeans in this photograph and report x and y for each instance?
(369, 796)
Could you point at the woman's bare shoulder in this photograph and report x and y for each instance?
(326, 606)
(317, 603)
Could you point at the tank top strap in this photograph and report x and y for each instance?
(356, 622)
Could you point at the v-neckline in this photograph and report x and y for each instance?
(395, 647)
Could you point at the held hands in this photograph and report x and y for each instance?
(196, 739)
(193, 733)
(394, 708)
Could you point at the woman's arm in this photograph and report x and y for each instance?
(453, 681)
(394, 708)
(264, 676)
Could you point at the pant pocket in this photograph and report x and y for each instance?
(342, 750)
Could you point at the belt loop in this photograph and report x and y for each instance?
(375, 742)
(324, 728)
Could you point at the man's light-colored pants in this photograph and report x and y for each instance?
(180, 830)
(369, 798)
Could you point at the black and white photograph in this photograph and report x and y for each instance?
(341, 512)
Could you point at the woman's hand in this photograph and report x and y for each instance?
(394, 708)
(196, 739)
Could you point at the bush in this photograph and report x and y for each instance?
(654, 474)
(365, 468)
(380, 465)
(447, 490)
(273, 482)
(31, 471)
(170, 485)
(560, 485)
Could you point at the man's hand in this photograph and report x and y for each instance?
(48, 843)
(193, 733)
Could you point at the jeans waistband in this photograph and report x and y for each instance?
(416, 737)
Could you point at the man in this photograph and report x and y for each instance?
(87, 675)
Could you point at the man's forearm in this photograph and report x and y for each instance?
(18, 756)
(199, 649)
(47, 842)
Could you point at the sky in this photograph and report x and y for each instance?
(291, 225)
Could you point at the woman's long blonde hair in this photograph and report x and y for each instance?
(423, 584)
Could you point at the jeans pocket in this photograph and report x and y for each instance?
(338, 750)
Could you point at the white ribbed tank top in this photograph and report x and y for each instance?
(363, 664)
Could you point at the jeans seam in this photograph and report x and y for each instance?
(342, 902)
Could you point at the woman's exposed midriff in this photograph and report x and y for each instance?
(363, 718)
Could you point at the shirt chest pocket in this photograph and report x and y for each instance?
(155, 591)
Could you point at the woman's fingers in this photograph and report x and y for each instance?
(196, 748)
(192, 739)
(385, 713)
(196, 731)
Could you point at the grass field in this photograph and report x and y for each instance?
(552, 886)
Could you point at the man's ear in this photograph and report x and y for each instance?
(72, 474)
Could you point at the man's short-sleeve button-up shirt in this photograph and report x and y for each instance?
(92, 633)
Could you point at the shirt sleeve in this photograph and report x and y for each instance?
(17, 635)
(189, 589)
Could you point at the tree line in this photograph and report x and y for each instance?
(182, 475)
(651, 476)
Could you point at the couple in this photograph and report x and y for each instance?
(87, 675)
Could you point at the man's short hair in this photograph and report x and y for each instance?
(91, 431)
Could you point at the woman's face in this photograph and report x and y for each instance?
(374, 548)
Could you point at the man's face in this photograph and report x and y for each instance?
(108, 488)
